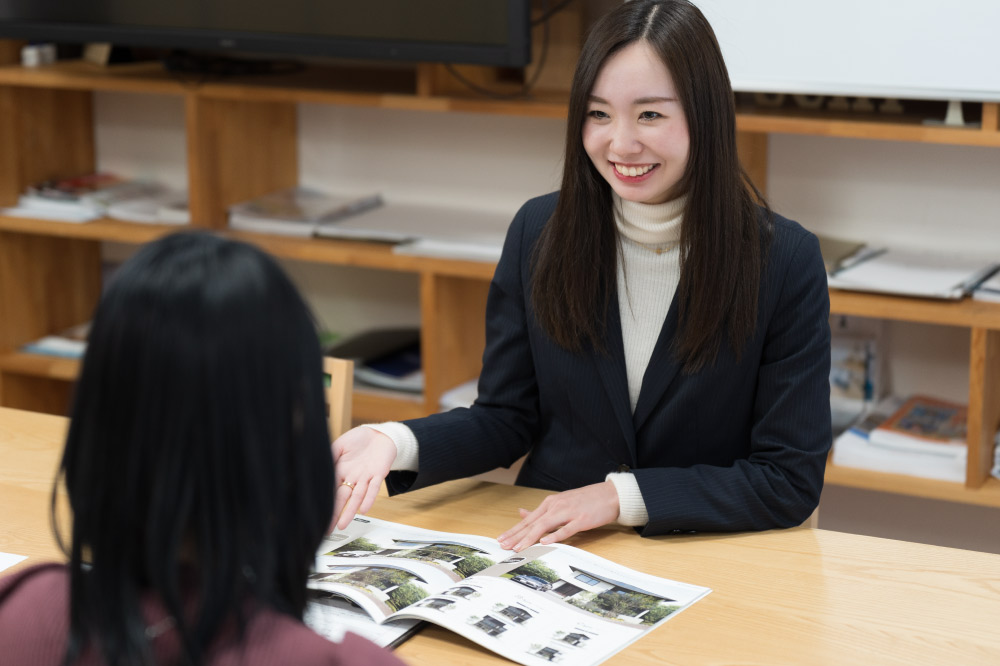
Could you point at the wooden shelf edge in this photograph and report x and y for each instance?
(370, 404)
(966, 312)
(317, 250)
(39, 365)
(104, 229)
(867, 129)
(900, 484)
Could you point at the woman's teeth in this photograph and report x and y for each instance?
(633, 171)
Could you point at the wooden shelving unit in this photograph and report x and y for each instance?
(241, 143)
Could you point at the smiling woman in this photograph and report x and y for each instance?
(636, 134)
(657, 338)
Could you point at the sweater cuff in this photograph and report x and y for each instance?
(631, 508)
(407, 451)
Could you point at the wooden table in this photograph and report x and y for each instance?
(798, 596)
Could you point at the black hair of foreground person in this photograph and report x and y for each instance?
(198, 446)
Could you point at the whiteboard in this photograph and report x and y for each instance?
(922, 49)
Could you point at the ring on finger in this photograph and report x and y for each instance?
(348, 484)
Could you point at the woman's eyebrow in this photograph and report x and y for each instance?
(638, 101)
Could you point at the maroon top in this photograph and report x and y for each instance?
(34, 627)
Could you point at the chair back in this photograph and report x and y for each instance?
(339, 381)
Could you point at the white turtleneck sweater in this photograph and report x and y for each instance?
(647, 280)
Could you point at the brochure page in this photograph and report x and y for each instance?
(542, 605)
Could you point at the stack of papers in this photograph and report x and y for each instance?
(912, 272)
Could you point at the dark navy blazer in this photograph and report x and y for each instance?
(736, 446)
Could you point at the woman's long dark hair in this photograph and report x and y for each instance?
(198, 448)
(723, 239)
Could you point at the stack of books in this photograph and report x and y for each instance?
(297, 211)
(94, 195)
(921, 436)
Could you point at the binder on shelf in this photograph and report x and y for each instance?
(384, 358)
(915, 272)
(297, 211)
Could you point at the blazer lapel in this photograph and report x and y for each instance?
(611, 368)
(660, 371)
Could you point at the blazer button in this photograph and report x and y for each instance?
(624, 468)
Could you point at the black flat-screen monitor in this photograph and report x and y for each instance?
(488, 32)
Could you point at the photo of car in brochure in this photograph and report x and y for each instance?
(544, 605)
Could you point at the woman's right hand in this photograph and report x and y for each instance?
(362, 457)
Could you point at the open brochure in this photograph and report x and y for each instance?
(542, 605)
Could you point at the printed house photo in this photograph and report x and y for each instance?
(548, 653)
(490, 625)
(391, 587)
(436, 603)
(457, 560)
(603, 596)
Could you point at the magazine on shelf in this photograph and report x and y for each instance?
(915, 272)
(157, 207)
(297, 211)
(855, 448)
(544, 604)
(924, 423)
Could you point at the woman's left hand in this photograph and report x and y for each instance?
(562, 515)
